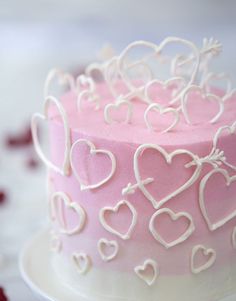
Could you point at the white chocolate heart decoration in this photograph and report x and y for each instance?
(82, 262)
(174, 216)
(93, 151)
(228, 181)
(115, 209)
(206, 96)
(64, 79)
(141, 271)
(227, 128)
(105, 246)
(207, 252)
(161, 111)
(65, 168)
(61, 196)
(168, 158)
(116, 106)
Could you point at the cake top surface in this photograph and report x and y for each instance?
(149, 94)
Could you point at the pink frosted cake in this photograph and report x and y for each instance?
(142, 176)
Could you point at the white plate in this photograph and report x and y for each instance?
(37, 272)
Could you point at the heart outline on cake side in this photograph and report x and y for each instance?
(232, 130)
(174, 216)
(102, 243)
(206, 252)
(115, 209)
(55, 242)
(93, 151)
(233, 238)
(141, 268)
(71, 205)
(168, 158)
(185, 98)
(77, 258)
(65, 169)
(117, 106)
(162, 111)
(229, 180)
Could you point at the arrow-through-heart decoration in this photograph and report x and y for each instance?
(93, 151)
(168, 157)
(50, 100)
(231, 129)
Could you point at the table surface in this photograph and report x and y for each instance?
(27, 52)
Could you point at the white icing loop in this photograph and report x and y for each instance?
(202, 202)
(93, 151)
(65, 169)
(208, 252)
(148, 277)
(102, 219)
(174, 216)
(234, 238)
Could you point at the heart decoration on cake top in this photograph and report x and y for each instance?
(116, 107)
(162, 111)
(149, 277)
(174, 217)
(207, 98)
(115, 210)
(92, 151)
(108, 249)
(63, 78)
(65, 168)
(168, 157)
(207, 252)
(231, 129)
(228, 181)
(82, 262)
(179, 82)
(64, 202)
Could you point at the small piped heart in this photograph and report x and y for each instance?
(148, 271)
(210, 255)
(108, 249)
(82, 262)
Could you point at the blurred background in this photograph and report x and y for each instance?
(36, 36)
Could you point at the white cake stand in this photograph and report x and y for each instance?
(38, 274)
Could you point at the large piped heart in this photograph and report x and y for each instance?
(217, 198)
(65, 168)
(186, 217)
(60, 203)
(108, 249)
(208, 253)
(82, 170)
(105, 216)
(229, 150)
(198, 106)
(148, 271)
(163, 166)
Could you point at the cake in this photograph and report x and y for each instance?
(142, 175)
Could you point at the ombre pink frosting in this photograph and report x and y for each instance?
(122, 140)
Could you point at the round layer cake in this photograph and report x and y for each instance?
(142, 188)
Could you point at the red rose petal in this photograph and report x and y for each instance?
(3, 297)
(3, 197)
